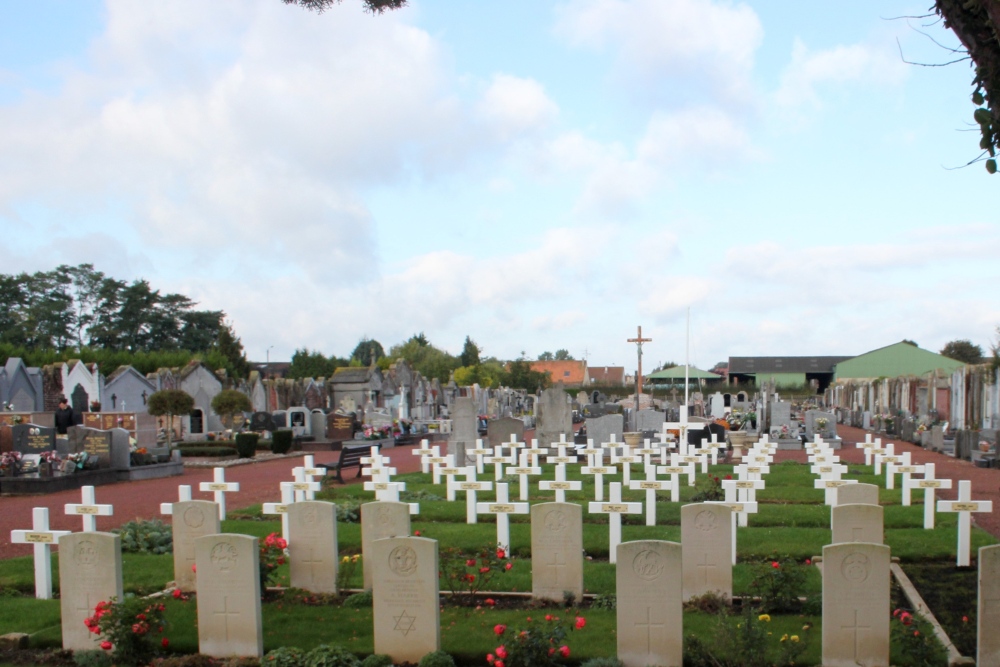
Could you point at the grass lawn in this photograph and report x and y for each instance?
(793, 523)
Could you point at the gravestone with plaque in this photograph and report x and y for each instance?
(33, 439)
(340, 426)
(90, 571)
(96, 443)
(261, 421)
(405, 596)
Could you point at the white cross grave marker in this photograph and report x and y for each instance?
(42, 538)
(479, 455)
(651, 485)
(425, 453)
(598, 470)
(287, 498)
(220, 487)
(502, 508)
(965, 506)
(745, 491)
(893, 469)
(523, 470)
(930, 485)
(614, 509)
(470, 486)
(560, 485)
(674, 483)
(740, 510)
(89, 509)
(183, 495)
(305, 489)
(498, 460)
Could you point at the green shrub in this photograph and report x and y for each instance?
(281, 441)
(147, 537)
(609, 602)
(603, 662)
(377, 660)
(359, 600)
(331, 655)
(436, 659)
(206, 450)
(94, 658)
(286, 656)
(349, 511)
(246, 444)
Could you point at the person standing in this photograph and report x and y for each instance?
(65, 417)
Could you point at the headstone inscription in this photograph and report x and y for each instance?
(650, 617)
(90, 571)
(406, 614)
(988, 616)
(379, 520)
(96, 443)
(855, 604)
(312, 546)
(33, 439)
(706, 538)
(556, 550)
(192, 519)
(229, 620)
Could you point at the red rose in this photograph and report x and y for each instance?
(548, 617)
(580, 622)
(498, 663)
(416, 533)
(501, 553)
(106, 645)
(484, 570)
(490, 601)
(470, 563)
(508, 566)
(502, 652)
(564, 651)
(489, 658)
(177, 594)
(775, 564)
(499, 629)
(164, 642)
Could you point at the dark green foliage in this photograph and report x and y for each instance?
(779, 584)
(609, 602)
(95, 658)
(141, 536)
(286, 656)
(359, 600)
(963, 350)
(373, 6)
(436, 659)
(520, 376)
(603, 662)
(428, 360)
(281, 441)
(470, 353)
(331, 655)
(306, 364)
(914, 642)
(745, 641)
(228, 403)
(377, 660)
(349, 511)
(246, 445)
(367, 352)
(169, 402)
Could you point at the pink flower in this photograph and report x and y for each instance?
(775, 564)
(470, 562)
(489, 658)
(508, 566)
(916, 633)
(502, 652)
(564, 651)
(194, 568)
(965, 619)
(809, 561)
(484, 570)
(580, 622)
(490, 601)
(548, 617)
(416, 533)
(177, 594)
(501, 553)
(282, 543)
(498, 663)
(106, 645)
(164, 642)
(499, 629)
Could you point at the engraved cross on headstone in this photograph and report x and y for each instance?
(649, 626)
(226, 613)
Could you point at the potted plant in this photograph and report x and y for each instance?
(48, 461)
(10, 463)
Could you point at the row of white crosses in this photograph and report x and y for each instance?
(827, 465)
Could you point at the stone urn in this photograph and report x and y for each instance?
(633, 438)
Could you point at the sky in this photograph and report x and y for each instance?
(534, 174)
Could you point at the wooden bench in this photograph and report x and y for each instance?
(350, 457)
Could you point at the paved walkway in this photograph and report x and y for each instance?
(259, 483)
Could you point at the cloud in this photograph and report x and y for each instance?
(708, 45)
(855, 63)
(512, 106)
(703, 135)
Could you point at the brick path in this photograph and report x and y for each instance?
(259, 483)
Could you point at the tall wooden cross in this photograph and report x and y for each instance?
(639, 340)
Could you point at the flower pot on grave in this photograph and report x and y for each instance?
(633, 438)
(7, 471)
(45, 469)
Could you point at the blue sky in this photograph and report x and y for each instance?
(536, 175)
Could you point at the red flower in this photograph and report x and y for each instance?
(580, 622)
(141, 617)
(508, 566)
(552, 650)
(484, 570)
(498, 663)
(775, 564)
(282, 543)
(502, 652)
(916, 633)
(489, 658)
(106, 645)
(164, 642)
(177, 594)
(281, 561)
(470, 562)
(906, 618)
(470, 578)
(501, 553)
(416, 533)
(965, 619)
(895, 613)
(728, 477)
(548, 617)
(809, 561)
(564, 651)
(490, 601)
(499, 629)
(194, 568)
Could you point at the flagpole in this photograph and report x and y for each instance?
(687, 358)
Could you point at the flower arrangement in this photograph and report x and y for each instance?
(822, 422)
(348, 565)
(17, 419)
(95, 406)
(128, 627)
(537, 646)
(79, 458)
(380, 433)
(51, 456)
(10, 460)
(272, 554)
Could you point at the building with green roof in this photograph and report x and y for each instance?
(897, 360)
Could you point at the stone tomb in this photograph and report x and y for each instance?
(340, 426)
(988, 616)
(556, 550)
(379, 520)
(406, 614)
(110, 447)
(229, 621)
(312, 546)
(601, 429)
(464, 430)
(650, 616)
(649, 420)
(706, 537)
(855, 605)
(856, 523)
(499, 431)
(554, 416)
(192, 519)
(90, 571)
(864, 494)
(32, 438)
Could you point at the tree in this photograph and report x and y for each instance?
(426, 359)
(976, 25)
(470, 353)
(963, 350)
(168, 403)
(228, 344)
(546, 356)
(520, 376)
(367, 352)
(306, 364)
(910, 342)
(373, 6)
(564, 355)
(228, 403)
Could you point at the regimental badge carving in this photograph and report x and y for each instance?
(403, 561)
(647, 565)
(556, 521)
(224, 556)
(382, 516)
(85, 554)
(310, 516)
(856, 568)
(194, 517)
(706, 520)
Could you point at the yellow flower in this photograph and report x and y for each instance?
(805, 627)
(764, 617)
(784, 637)
(795, 639)
(355, 557)
(345, 559)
